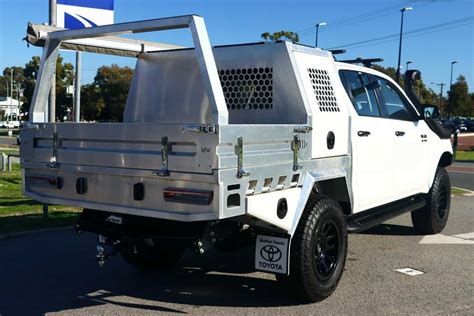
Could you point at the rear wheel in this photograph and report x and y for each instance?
(432, 218)
(148, 255)
(318, 250)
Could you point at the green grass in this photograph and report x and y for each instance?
(465, 155)
(8, 151)
(457, 191)
(19, 213)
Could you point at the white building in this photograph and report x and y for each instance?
(10, 106)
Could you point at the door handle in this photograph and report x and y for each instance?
(399, 133)
(363, 133)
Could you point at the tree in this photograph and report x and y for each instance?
(92, 103)
(265, 36)
(26, 77)
(105, 98)
(458, 98)
(282, 35)
(471, 106)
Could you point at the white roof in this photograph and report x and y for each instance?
(5, 102)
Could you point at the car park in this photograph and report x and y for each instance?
(449, 124)
(277, 143)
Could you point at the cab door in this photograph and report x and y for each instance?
(372, 144)
(410, 140)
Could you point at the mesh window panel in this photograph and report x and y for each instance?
(247, 88)
(323, 90)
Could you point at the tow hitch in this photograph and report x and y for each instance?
(102, 255)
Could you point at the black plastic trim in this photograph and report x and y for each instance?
(372, 217)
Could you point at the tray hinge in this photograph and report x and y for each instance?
(295, 146)
(165, 149)
(197, 128)
(54, 159)
(239, 150)
(304, 129)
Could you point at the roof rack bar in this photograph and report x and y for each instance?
(338, 51)
(367, 62)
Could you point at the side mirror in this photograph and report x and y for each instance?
(430, 112)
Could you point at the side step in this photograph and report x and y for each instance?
(367, 219)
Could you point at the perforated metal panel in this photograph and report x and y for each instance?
(323, 90)
(247, 88)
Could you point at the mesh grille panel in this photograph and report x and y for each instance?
(247, 88)
(323, 90)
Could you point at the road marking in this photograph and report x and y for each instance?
(440, 239)
(466, 236)
(410, 271)
(469, 192)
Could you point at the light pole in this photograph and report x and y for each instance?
(317, 32)
(408, 63)
(51, 116)
(451, 80)
(441, 85)
(400, 44)
(11, 94)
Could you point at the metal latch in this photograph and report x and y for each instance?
(303, 129)
(196, 128)
(239, 150)
(54, 159)
(295, 146)
(165, 149)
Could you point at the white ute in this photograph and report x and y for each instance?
(273, 143)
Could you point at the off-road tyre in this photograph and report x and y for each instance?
(321, 233)
(150, 257)
(432, 218)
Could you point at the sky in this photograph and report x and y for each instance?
(437, 32)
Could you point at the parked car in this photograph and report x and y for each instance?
(469, 125)
(450, 125)
(460, 122)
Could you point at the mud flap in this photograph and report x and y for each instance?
(272, 254)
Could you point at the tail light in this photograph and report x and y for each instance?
(45, 181)
(188, 196)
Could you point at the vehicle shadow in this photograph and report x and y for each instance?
(57, 271)
(390, 230)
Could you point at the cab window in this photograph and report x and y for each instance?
(395, 105)
(361, 89)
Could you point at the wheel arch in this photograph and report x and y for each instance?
(334, 185)
(445, 160)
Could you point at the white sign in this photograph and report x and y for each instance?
(271, 254)
(78, 14)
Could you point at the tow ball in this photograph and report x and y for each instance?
(101, 256)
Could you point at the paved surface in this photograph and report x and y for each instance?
(462, 175)
(465, 141)
(55, 272)
(7, 140)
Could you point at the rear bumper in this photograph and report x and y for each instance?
(115, 193)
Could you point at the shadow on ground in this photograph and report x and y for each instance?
(57, 271)
(391, 230)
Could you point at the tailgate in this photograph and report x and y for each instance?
(120, 145)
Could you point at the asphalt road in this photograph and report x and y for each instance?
(462, 175)
(55, 272)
